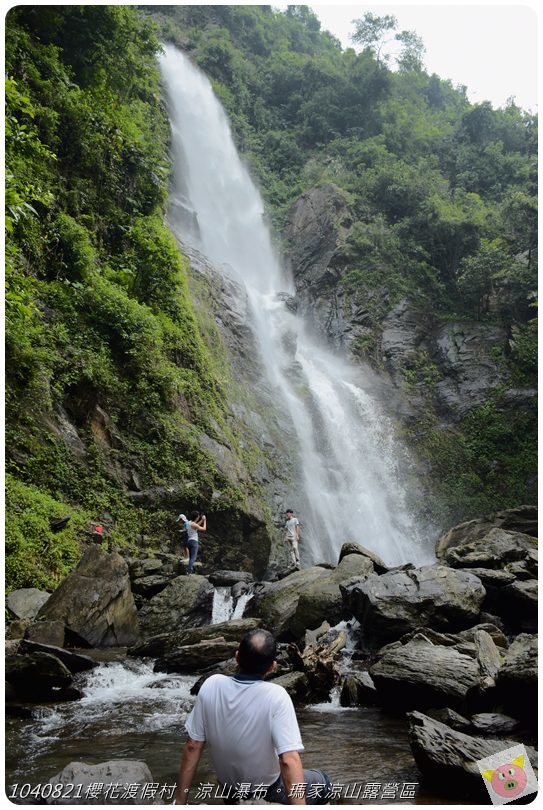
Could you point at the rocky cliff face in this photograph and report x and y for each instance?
(459, 360)
(265, 472)
(318, 225)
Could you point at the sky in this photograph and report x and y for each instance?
(490, 48)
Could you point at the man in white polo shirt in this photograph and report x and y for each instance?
(252, 732)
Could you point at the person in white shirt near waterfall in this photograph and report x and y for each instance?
(292, 537)
(249, 725)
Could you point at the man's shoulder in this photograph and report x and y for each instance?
(276, 691)
(214, 682)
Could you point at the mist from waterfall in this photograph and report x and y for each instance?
(351, 466)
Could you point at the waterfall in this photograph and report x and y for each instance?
(226, 607)
(351, 467)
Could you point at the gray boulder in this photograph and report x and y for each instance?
(144, 567)
(197, 657)
(518, 605)
(447, 759)
(46, 633)
(95, 601)
(74, 662)
(355, 548)
(323, 600)
(187, 601)
(35, 676)
(494, 724)
(450, 718)
(276, 606)
(224, 578)
(506, 564)
(358, 689)
(423, 674)
(25, 603)
(517, 681)
(521, 519)
(119, 781)
(151, 585)
(296, 684)
(165, 643)
(390, 605)
(493, 549)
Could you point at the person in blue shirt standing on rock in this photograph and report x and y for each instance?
(196, 523)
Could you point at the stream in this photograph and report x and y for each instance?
(130, 712)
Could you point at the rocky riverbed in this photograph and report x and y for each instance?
(448, 649)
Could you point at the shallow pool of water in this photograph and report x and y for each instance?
(130, 712)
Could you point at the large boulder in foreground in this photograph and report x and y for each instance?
(119, 781)
(186, 602)
(392, 604)
(95, 601)
(447, 758)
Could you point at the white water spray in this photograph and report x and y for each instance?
(226, 607)
(350, 465)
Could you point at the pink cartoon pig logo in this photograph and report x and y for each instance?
(508, 780)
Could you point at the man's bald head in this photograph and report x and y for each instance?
(257, 652)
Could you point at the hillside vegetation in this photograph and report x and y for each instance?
(111, 373)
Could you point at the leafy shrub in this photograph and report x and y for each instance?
(36, 556)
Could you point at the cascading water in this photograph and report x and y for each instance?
(350, 487)
(226, 606)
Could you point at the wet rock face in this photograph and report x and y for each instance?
(317, 223)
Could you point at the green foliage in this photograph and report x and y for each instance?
(484, 463)
(524, 348)
(36, 556)
(98, 314)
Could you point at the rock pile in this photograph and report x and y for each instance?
(452, 645)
